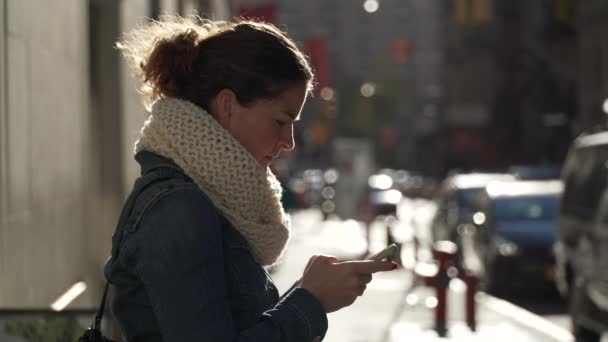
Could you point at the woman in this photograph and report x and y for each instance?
(205, 217)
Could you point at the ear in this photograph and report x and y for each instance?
(224, 105)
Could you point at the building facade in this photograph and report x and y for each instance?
(511, 77)
(69, 115)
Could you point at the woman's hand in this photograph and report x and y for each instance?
(338, 284)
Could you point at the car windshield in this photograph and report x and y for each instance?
(525, 208)
(466, 198)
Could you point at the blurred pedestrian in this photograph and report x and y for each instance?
(205, 217)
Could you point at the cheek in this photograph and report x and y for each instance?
(266, 137)
(258, 139)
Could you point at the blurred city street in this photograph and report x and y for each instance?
(473, 134)
(388, 311)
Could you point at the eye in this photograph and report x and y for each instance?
(280, 123)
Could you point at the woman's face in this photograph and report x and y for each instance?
(265, 127)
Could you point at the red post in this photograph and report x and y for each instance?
(441, 310)
(444, 252)
(471, 282)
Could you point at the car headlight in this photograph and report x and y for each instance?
(507, 248)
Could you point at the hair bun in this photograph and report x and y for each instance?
(171, 62)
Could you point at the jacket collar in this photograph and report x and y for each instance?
(150, 161)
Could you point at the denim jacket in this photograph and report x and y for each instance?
(183, 273)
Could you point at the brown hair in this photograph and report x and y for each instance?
(193, 59)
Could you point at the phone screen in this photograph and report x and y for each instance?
(385, 253)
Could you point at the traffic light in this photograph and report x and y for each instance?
(319, 132)
(400, 50)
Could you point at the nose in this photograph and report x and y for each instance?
(286, 142)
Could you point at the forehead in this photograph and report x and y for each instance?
(294, 95)
(291, 100)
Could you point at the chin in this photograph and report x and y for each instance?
(265, 162)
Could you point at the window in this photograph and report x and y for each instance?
(604, 66)
(585, 179)
(528, 208)
(472, 11)
(603, 212)
(562, 10)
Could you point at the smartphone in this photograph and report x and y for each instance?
(385, 253)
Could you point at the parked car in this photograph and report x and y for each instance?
(580, 246)
(513, 235)
(454, 200)
(595, 268)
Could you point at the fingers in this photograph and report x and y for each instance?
(326, 259)
(362, 288)
(365, 278)
(330, 259)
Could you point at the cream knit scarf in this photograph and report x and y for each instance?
(247, 194)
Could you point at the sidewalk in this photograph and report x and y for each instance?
(386, 313)
(497, 320)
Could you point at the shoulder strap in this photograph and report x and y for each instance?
(151, 176)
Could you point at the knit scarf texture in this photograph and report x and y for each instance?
(247, 194)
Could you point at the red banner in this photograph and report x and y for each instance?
(266, 13)
(400, 50)
(317, 51)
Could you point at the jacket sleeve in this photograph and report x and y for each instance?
(180, 260)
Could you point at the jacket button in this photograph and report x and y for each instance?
(316, 339)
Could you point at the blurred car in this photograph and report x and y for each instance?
(454, 200)
(313, 185)
(581, 239)
(538, 172)
(328, 193)
(413, 231)
(383, 197)
(318, 189)
(514, 232)
(413, 185)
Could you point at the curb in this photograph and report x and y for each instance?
(526, 318)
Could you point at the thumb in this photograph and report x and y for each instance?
(328, 259)
(323, 259)
(370, 266)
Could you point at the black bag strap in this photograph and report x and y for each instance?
(151, 176)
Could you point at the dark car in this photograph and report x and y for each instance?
(581, 240)
(595, 268)
(514, 234)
